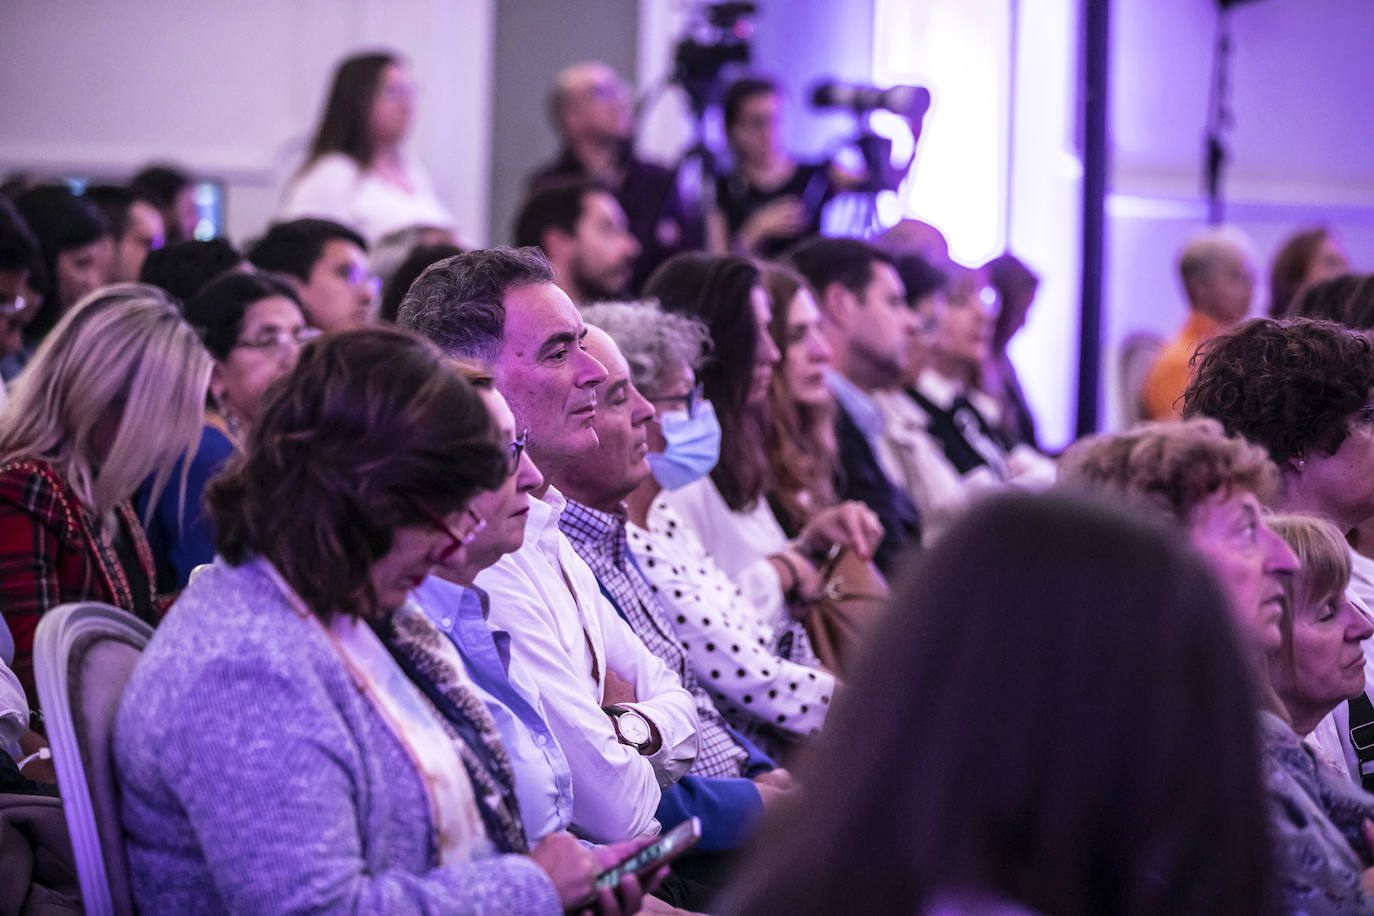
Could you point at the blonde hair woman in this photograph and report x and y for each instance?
(113, 396)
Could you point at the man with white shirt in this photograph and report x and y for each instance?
(501, 307)
(622, 718)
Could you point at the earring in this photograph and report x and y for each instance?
(1301, 463)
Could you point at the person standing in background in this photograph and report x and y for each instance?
(356, 172)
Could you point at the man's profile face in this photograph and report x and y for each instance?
(618, 465)
(882, 326)
(341, 288)
(145, 233)
(597, 105)
(546, 376)
(604, 251)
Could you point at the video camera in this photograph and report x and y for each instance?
(718, 36)
(908, 102)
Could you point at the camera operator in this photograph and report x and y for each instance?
(590, 110)
(770, 200)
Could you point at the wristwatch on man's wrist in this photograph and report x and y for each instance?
(630, 727)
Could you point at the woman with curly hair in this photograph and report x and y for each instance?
(1211, 486)
(1304, 390)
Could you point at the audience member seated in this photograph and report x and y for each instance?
(182, 268)
(912, 454)
(584, 233)
(952, 395)
(115, 395)
(174, 194)
(1213, 485)
(352, 789)
(135, 225)
(1219, 280)
(596, 485)
(1304, 258)
(972, 766)
(500, 306)
(1347, 299)
(356, 172)
(1016, 286)
(728, 510)
(590, 110)
(769, 200)
(1321, 663)
(337, 290)
(774, 700)
(800, 437)
(76, 248)
(20, 265)
(864, 316)
(543, 776)
(253, 327)
(415, 263)
(1302, 389)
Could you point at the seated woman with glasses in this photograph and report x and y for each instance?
(254, 327)
(273, 748)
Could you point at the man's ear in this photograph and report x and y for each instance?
(557, 244)
(837, 304)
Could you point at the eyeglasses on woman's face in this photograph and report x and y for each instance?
(459, 536)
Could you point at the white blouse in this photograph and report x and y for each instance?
(336, 188)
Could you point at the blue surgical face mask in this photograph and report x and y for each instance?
(693, 446)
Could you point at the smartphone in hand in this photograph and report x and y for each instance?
(664, 849)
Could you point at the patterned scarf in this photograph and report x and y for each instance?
(432, 663)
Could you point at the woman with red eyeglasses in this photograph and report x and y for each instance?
(275, 747)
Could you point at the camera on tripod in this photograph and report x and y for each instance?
(718, 36)
(907, 102)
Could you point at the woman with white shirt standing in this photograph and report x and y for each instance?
(356, 172)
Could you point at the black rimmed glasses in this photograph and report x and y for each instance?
(515, 450)
(689, 401)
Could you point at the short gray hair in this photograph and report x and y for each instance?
(458, 302)
(650, 339)
(1205, 251)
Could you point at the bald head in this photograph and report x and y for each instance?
(1218, 274)
(589, 103)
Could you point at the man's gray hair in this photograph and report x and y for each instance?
(651, 340)
(1206, 250)
(458, 302)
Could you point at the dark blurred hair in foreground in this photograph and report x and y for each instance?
(1055, 713)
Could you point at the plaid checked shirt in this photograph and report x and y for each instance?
(599, 539)
(53, 552)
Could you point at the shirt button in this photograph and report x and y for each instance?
(540, 740)
(446, 622)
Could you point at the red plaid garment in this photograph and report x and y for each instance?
(49, 555)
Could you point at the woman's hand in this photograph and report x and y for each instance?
(573, 869)
(850, 524)
(800, 579)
